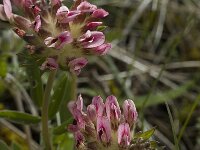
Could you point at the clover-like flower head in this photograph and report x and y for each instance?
(62, 36)
(103, 126)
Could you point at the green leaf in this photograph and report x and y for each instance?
(3, 145)
(62, 128)
(163, 97)
(58, 96)
(145, 135)
(19, 117)
(36, 87)
(64, 142)
(101, 28)
(153, 144)
(70, 90)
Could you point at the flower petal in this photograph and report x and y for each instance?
(22, 22)
(92, 39)
(37, 24)
(100, 13)
(124, 135)
(91, 112)
(93, 25)
(62, 12)
(103, 129)
(86, 7)
(2, 13)
(103, 49)
(7, 8)
(130, 112)
(97, 101)
(64, 38)
(50, 63)
(113, 110)
(77, 64)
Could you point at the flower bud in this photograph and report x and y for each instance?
(97, 101)
(103, 130)
(91, 112)
(124, 135)
(130, 112)
(93, 25)
(100, 13)
(113, 111)
(86, 7)
(75, 108)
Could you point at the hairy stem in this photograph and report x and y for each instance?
(45, 106)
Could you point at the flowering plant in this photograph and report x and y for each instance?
(61, 38)
(104, 126)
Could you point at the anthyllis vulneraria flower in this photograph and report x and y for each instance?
(63, 36)
(104, 125)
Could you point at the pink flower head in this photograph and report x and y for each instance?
(100, 13)
(50, 63)
(103, 49)
(113, 110)
(92, 39)
(86, 7)
(37, 24)
(103, 129)
(97, 101)
(93, 25)
(65, 16)
(59, 41)
(7, 8)
(130, 112)
(124, 135)
(77, 64)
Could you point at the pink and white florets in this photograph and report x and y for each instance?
(57, 32)
(105, 126)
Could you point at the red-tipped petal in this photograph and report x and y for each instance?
(100, 13)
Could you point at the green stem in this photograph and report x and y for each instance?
(74, 87)
(45, 129)
(194, 106)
